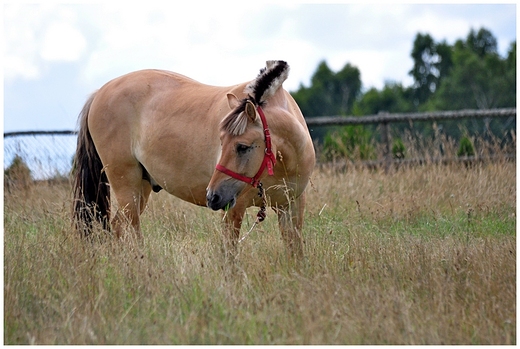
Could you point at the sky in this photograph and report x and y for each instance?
(56, 55)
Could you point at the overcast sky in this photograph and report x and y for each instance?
(56, 55)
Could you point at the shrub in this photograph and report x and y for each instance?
(17, 174)
(351, 142)
(466, 147)
(398, 149)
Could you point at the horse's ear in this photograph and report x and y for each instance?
(250, 111)
(233, 101)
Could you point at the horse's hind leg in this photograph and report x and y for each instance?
(290, 221)
(131, 193)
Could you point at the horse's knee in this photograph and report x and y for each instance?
(126, 220)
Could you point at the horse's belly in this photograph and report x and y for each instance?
(179, 160)
(186, 180)
(194, 192)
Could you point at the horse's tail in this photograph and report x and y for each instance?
(90, 183)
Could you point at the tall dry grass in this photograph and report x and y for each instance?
(421, 255)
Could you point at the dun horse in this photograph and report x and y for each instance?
(227, 148)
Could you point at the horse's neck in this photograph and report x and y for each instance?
(279, 99)
(284, 126)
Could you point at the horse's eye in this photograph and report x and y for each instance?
(242, 148)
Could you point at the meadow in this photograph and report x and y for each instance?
(419, 255)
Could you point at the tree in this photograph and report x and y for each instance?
(348, 88)
(511, 57)
(509, 98)
(330, 93)
(432, 62)
(482, 43)
(470, 74)
(479, 78)
(393, 98)
(444, 52)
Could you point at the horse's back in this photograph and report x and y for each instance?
(138, 105)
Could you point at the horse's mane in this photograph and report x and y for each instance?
(268, 81)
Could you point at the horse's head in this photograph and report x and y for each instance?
(247, 152)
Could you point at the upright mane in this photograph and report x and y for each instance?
(268, 81)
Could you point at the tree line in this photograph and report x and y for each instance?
(469, 74)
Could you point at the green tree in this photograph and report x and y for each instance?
(432, 62)
(330, 93)
(470, 74)
(479, 78)
(509, 99)
(483, 43)
(393, 98)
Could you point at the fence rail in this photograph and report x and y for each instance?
(49, 153)
(406, 117)
(39, 133)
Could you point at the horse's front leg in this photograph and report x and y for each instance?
(231, 230)
(290, 221)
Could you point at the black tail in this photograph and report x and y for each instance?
(90, 183)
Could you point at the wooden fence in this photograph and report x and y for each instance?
(385, 119)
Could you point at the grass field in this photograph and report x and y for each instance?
(424, 255)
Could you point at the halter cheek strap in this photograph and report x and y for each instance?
(268, 162)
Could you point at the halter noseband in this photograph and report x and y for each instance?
(268, 162)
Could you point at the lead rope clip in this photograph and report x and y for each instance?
(260, 216)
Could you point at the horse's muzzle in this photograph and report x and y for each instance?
(217, 201)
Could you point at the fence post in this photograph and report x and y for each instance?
(385, 139)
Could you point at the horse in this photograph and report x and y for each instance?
(227, 148)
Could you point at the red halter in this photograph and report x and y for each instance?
(269, 158)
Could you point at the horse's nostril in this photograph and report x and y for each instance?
(213, 199)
